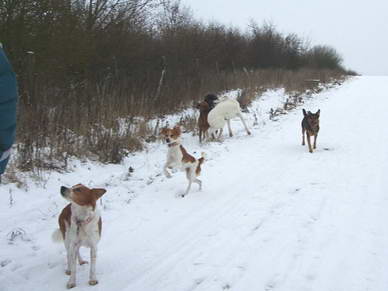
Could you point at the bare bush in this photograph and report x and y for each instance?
(323, 57)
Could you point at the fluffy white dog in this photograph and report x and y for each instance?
(222, 113)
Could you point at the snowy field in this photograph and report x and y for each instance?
(271, 216)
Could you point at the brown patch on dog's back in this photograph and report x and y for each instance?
(186, 158)
(64, 218)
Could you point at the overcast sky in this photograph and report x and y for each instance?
(357, 29)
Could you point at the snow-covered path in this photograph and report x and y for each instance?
(271, 215)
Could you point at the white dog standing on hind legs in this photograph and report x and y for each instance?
(177, 157)
(80, 225)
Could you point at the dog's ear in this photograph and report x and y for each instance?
(304, 112)
(98, 192)
(318, 113)
(177, 129)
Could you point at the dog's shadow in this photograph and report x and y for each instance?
(297, 148)
(328, 149)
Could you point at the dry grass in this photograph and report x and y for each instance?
(107, 121)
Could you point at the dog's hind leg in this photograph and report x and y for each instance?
(303, 132)
(92, 274)
(245, 125)
(220, 133)
(188, 188)
(190, 178)
(229, 127)
(212, 133)
(199, 182)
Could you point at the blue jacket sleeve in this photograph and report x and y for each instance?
(8, 102)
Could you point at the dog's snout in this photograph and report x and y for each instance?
(63, 190)
(167, 140)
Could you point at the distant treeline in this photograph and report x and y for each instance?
(92, 39)
(81, 64)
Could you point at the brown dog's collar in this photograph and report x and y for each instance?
(173, 144)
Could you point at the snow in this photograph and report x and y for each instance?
(271, 216)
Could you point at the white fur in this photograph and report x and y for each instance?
(222, 113)
(57, 236)
(87, 236)
(174, 160)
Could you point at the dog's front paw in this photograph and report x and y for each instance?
(70, 285)
(93, 282)
(67, 272)
(83, 262)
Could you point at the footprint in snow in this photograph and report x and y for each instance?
(4, 263)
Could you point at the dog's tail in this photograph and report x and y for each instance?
(201, 160)
(57, 236)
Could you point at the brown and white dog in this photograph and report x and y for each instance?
(80, 225)
(177, 157)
